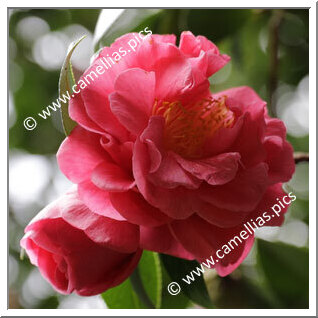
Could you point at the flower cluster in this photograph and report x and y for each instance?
(160, 163)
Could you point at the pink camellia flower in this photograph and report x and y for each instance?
(187, 166)
(78, 250)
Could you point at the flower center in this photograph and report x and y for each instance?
(187, 128)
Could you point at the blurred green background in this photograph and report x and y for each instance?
(269, 50)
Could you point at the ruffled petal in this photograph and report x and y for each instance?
(216, 170)
(79, 114)
(79, 154)
(270, 204)
(176, 203)
(111, 177)
(241, 194)
(159, 239)
(228, 268)
(205, 241)
(98, 201)
(219, 216)
(135, 209)
(133, 99)
(194, 46)
(170, 174)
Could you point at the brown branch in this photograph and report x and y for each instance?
(274, 23)
(301, 157)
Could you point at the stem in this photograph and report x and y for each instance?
(139, 289)
(274, 24)
(301, 157)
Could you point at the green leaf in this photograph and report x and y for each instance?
(122, 297)
(237, 291)
(286, 269)
(139, 289)
(125, 22)
(105, 21)
(142, 289)
(149, 270)
(179, 301)
(48, 303)
(177, 269)
(66, 82)
(300, 144)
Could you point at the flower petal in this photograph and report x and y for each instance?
(270, 200)
(159, 239)
(176, 203)
(135, 209)
(241, 194)
(98, 201)
(170, 174)
(219, 217)
(133, 99)
(194, 46)
(109, 176)
(78, 113)
(79, 154)
(226, 269)
(216, 170)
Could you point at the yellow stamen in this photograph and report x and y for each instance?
(187, 127)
